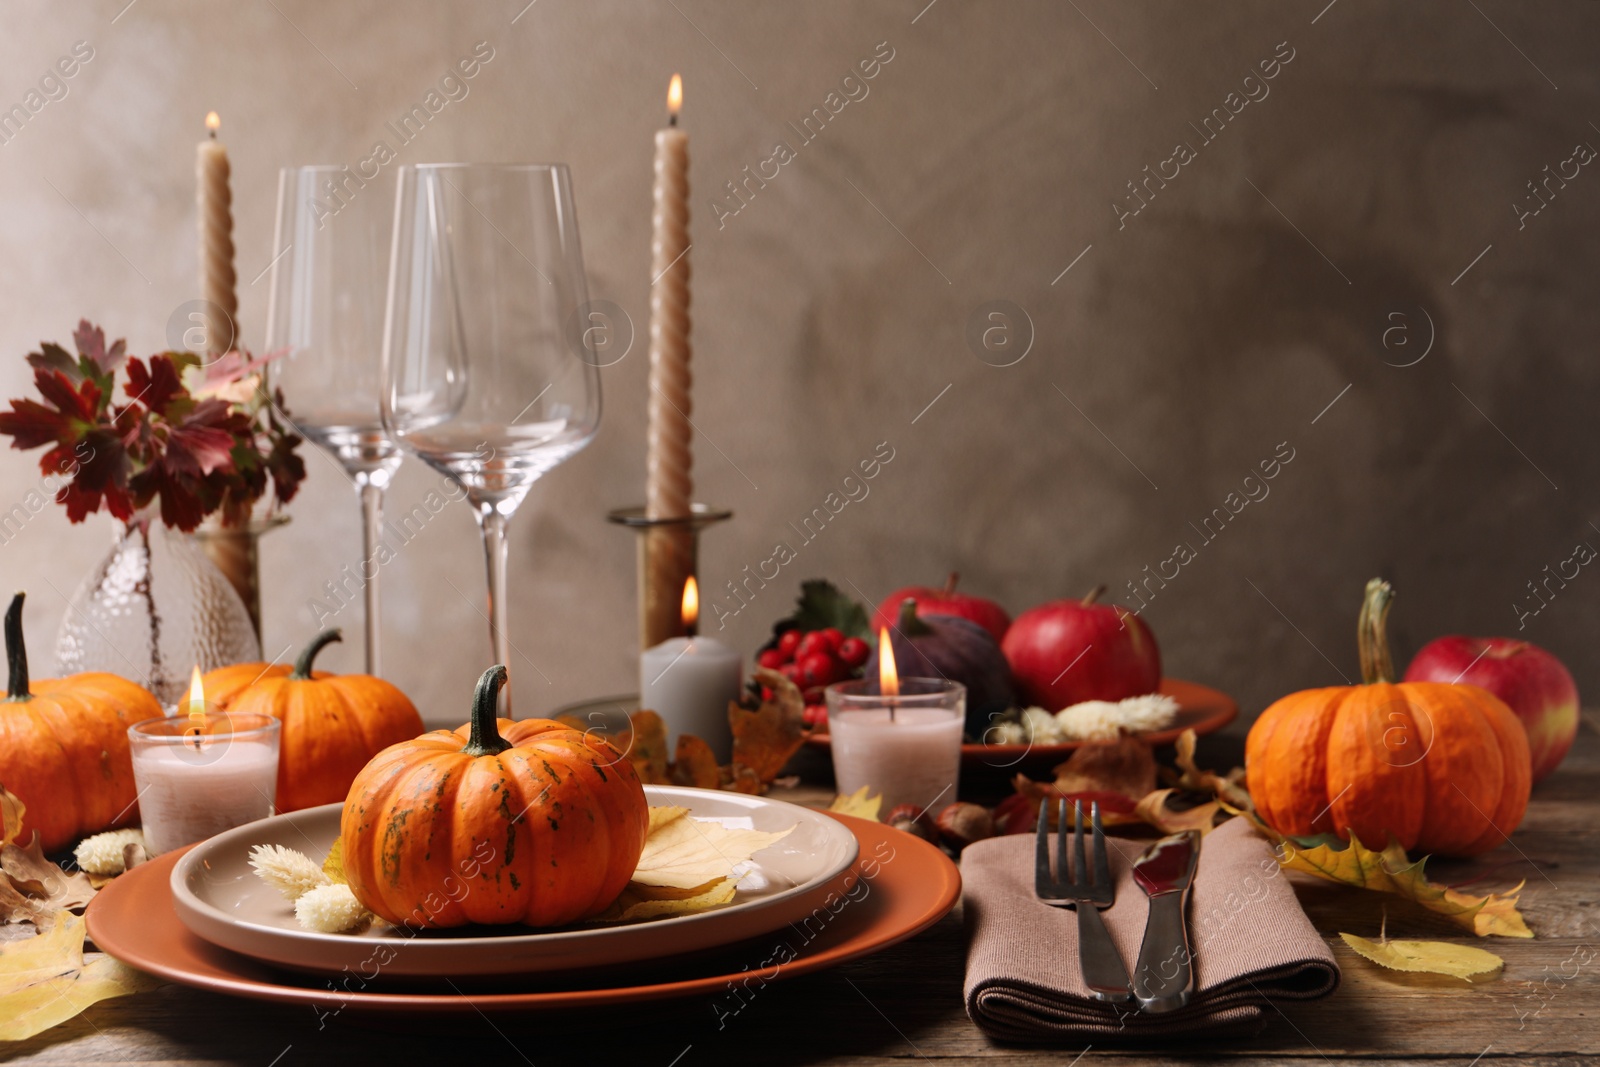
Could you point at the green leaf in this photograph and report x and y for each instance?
(822, 605)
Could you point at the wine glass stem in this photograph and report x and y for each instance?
(371, 493)
(494, 550)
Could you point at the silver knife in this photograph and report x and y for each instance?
(1164, 977)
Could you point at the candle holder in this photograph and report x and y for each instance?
(198, 775)
(669, 552)
(906, 747)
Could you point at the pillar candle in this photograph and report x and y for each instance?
(215, 201)
(689, 682)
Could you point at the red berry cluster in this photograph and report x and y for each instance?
(814, 660)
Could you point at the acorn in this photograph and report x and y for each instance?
(962, 823)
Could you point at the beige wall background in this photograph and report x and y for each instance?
(1243, 308)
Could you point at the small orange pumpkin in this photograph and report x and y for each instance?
(500, 821)
(1440, 768)
(332, 724)
(64, 746)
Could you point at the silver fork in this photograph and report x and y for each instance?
(1086, 891)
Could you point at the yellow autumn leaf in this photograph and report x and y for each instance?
(333, 866)
(1391, 871)
(858, 804)
(683, 852)
(44, 980)
(654, 902)
(1432, 957)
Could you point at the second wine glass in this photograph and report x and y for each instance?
(487, 378)
(326, 312)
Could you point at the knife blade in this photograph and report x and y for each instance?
(1164, 977)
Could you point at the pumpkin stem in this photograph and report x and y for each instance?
(17, 691)
(950, 583)
(302, 666)
(1372, 633)
(485, 739)
(908, 623)
(1094, 594)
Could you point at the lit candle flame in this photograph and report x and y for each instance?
(888, 676)
(213, 122)
(197, 707)
(691, 605)
(675, 97)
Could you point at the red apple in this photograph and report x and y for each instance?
(1069, 651)
(1530, 680)
(946, 601)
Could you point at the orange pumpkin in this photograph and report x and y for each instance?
(500, 821)
(64, 746)
(1440, 768)
(332, 724)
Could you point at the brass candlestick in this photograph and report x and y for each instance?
(668, 555)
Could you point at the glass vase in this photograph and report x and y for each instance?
(155, 608)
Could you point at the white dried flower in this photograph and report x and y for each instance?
(1040, 726)
(1006, 733)
(1102, 720)
(289, 872)
(102, 853)
(330, 909)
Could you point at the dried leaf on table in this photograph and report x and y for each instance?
(1391, 871)
(695, 764)
(1229, 787)
(858, 804)
(1432, 957)
(765, 739)
(1174, 810)
(44, 980)
(39, 878)
(11, 811)
(644, 744)
(1125, 766)
(682, 852)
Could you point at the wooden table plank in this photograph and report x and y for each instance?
(905, 1003)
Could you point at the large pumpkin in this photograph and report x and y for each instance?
(497, 822)
(1438, 767)
(332, 724)
(64, 746)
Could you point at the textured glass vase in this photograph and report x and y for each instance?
(154, 609)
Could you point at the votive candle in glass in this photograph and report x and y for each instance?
(905, 745)
(198, 775)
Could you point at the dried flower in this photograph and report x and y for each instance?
(289, 872)
(330, 909)
(103, 853)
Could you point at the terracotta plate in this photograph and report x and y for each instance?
(219, 897)
(898, 886)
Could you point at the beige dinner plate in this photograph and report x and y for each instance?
(220, 898)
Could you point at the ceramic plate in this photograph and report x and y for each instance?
(898, 887)
(219, 897)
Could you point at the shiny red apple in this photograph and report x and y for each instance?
(946, 601)
(1068, 651)
(1530, 680)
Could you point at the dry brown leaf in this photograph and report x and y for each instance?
(1157, 808)
(1229, 787)
(682, 852)
(1125, 766)
(644, 744)
(695, 764)
(41, 879)
(858, 804)
(1391, 871)
(11, 811)
(766, 739)
(1431, 957)
(44, 980)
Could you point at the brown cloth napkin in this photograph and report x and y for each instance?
(1251, 944)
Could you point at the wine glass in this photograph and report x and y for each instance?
(486, 379)
(326, 310)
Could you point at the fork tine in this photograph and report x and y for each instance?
(1041, 851)
(1102, 870)
(1064, 872)
(1085, 875)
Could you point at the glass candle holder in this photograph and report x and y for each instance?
(199, 775)
(906, 747)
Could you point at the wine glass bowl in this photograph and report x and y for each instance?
(325, 319)
(481, 381)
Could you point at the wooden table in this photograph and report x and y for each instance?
(905, 1003)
